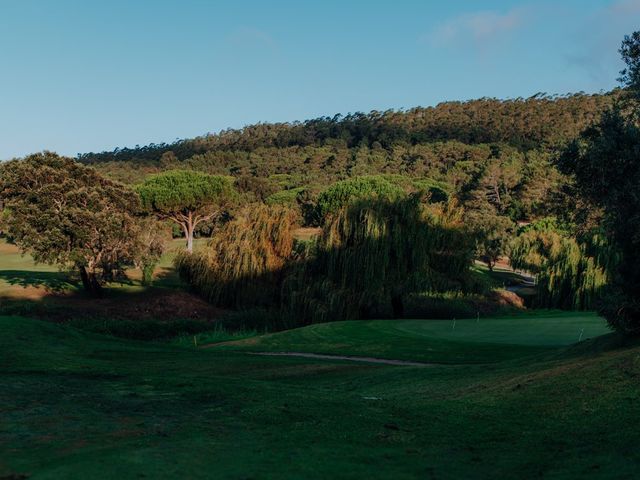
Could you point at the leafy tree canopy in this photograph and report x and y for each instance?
(65, 213)
(184, 190)
(187, 197)
(345, 192)
(604, 163)
(376, 251)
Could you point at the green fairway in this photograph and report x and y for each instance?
(22, 278)
(79, 405)
(484, 340)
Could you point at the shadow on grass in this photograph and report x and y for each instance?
(127, 308)
(51, 281)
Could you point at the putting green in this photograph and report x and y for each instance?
(485, 340)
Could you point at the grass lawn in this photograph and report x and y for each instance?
(43, 291)
(21, 277)
(80, 405)
(485, 340)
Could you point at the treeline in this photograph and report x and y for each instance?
(382, 187)
(537, 122)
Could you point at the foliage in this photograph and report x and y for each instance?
(65, 213)
(188, 198)
(630, 53)
(438, 191)
(604, 165)
(342, 194)
(522, 123)
(256, 188)
(571, 274)
(375, 252)
(244, 261)
(152, 239)
(492, 233)
(371, 255)
(285, 197)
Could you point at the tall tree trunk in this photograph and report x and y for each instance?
(188, 232)
(398, 306)
(90, 282)
(84, 276)
(188, 227)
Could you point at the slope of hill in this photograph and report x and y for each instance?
(82, 405)
(523, 123)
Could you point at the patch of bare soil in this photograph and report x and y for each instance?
(159, 304)
(151, 304)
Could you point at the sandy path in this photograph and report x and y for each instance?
(343, 357)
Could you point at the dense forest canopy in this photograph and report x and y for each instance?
(540, 121)
(495, 157)
(493, 161)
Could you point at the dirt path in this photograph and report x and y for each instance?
(343, 357)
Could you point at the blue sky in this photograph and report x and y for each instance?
(89, 75)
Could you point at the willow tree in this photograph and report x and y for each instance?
(187, 197)
(244, 262)
(571, 273)
(373, 253)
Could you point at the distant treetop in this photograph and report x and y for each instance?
(522, 123)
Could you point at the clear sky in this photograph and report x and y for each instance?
(92, 75)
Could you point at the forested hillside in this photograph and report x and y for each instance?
(494, 157)
(415, 142)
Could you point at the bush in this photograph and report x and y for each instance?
(456, 305)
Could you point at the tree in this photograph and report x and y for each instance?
(493, 234)
(243, 264)
(630, 53)
(65, 213)
(375, 252)
(604, 163)
(571, 272)
(187, 197)
(343, 193)
(152, 238)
